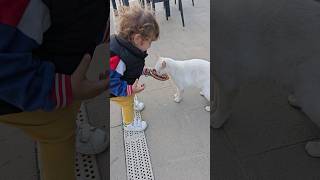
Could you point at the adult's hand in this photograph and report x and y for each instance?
(82, 88)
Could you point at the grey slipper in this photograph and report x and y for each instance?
(292, 100)
(313, 148)
(90, 140)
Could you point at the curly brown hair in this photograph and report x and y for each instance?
(135, 20)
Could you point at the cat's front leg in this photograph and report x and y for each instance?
(206, 93)
(178, 95)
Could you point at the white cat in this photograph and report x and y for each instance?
(187, 73)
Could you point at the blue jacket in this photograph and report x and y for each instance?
(126, 65)
(41, 44)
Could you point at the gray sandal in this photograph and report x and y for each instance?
(90, 140)
(313, 148)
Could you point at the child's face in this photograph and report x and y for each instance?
(141, 43)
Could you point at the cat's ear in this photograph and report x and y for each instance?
(163, 64)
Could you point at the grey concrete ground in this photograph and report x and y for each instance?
(17, 155)
(264, 139)
(178, 135)
(266, 50)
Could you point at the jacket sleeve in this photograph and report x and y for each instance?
(31, 84)
(26, 82)
(118, 87)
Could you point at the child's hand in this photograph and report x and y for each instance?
(82, 88)
(136, 88)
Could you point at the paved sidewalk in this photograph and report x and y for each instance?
(264, 139)
(266, 48)
(178, 135)
(17, 155)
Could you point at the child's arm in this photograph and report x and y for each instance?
(25, 82)
(31, 84)
(118, 87)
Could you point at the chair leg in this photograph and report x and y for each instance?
(126, 2)
(181, 12)
(114, 4)
(167, 8)
(175, 1)
(142, 3)
(153, 7)
(192, 2)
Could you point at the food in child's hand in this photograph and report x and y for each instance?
(157, 76)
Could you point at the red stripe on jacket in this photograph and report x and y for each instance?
(11, 11)
(114, 61)
(57, 94)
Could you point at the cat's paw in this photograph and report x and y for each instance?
(207, 108)
(201, 93)
(177, 99)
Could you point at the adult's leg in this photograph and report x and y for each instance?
(55, 133)
(222, 104)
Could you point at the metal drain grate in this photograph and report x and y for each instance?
(82, 115)
(137, 154)
(86, 167)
